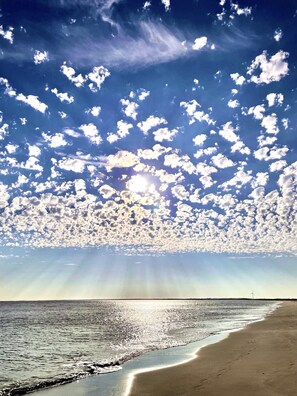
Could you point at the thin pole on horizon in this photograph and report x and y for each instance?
(252, 295)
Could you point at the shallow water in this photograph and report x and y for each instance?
(49, 342)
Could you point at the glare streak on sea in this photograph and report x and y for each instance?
(47, 343)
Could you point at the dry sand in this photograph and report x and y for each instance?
(259, 360)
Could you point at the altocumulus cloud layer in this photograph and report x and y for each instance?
(150, 127)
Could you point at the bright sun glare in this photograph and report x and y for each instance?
(138, 184)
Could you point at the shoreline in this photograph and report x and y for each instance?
(260, 360)
(119, 383)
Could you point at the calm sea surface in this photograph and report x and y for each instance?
(50, 342)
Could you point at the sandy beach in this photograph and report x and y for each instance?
(258, 360)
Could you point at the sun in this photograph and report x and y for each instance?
(137, 184)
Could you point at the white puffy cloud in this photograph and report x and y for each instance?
(151, 122)
(95, 111)
(237, 78)
(277, 166)
(143, 94)
(275, 99)
(220, 161)
(91, 132)
(240, 179)
(122, 159)
(4, 130)
(268, 154)
(206, 181)
(270, 124)
(240, 11)
(266, 140)
(194, 114)
(239, 146)
(206, 151)
(72, 164)
(70, 73)
(40, 57)
(64, 97)
(257, 193)
(33, 101)
(278, 34)
(4, 195)
(7, 34)
(166, 4)
(199, 43)
(11, 148)
(261, 179)
(183, 162)
(273, 69)
(56, 140)
(257, 111)
(97, 77)
(123, 128)
(228, 132)
(233, 103)
(164, 134)
(129, 108)
(154, 153)
(34, 151)
(199, 139)
(107, 191)
(180, 192)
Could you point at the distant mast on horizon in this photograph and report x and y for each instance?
(252, 295)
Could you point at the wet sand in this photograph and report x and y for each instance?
(260, 360)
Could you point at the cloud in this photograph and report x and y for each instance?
(63, 97)
(40, 57)
(107, 191)
(33, 101)
(233, 103)
(92, 133)
(164, 134)
(166, 4)
(268, 154)
(275, 99)
(273, 69)
(72, 164)
(270, 124)
(180, 192)
(237, 78)
(97, 76)
(228, 132)
(7, 34)
(56, 140)
(122, 131)
(150, 122)
(199, 43)
(153, 44)
(257, 111)
(122, 159)
(129, 108)
(277, 166)
(194, 114)
(199, 140)
(220, 161)
(278, 34)
(95, 111)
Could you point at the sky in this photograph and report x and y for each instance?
(148, 149)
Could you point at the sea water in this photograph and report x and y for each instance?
(49, 343)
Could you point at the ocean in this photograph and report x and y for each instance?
(54, 342)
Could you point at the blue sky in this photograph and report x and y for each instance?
(148, 148)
